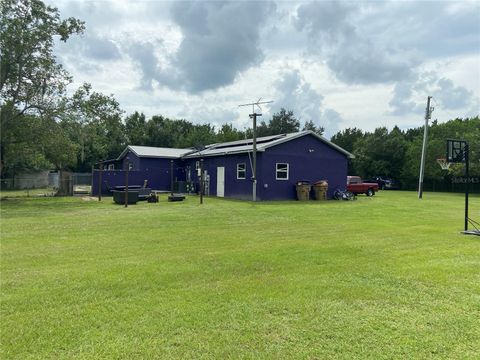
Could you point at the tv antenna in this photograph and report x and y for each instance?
(253, 116)
(258, 103)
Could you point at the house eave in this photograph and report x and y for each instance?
(130, 148)
(309, 132)
(200, 155)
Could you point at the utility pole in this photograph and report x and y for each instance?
(253, 116)
(428, 114)
(254, 155)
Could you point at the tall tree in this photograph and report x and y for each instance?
(95, 124)
(347, 138)
(228, 133)
(380, 153)
(165, 132)
(31, 81)
(201, 134)
(284, 122)
(310, 125)
(136, 129)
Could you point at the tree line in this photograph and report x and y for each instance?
(397, 153)
(44, 127)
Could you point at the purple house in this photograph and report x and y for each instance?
(282, 161)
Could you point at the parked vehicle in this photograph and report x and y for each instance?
(384, 183)
(356, 186)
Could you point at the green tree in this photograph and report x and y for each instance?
(283, 122)
(347, 138)
(31, 81)
(380, 153)
(43, 152)
(201, 135)
(228, 133)
(464, 129)
(94, 123)
(164, 132)
(136, 129)
(310, 125)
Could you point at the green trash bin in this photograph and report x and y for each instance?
(320, 189)
(303, 190)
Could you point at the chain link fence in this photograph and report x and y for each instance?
(455, 184)
(43, 184)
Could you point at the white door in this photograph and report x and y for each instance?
(220, 181)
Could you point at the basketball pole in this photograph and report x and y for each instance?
(428, 112)
(458, 151)
(467, 187)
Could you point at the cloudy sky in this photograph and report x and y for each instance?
(340, 64)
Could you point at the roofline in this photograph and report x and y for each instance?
(199, 153)
(261, 148)
(124, 152)
(308, 132)
(105, 161)
(129, 147)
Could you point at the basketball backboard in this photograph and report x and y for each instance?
(456, 150)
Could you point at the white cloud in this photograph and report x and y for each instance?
(362, 64)
(296, 94)
(220, 40)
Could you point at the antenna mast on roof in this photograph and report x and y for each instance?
(253, 116)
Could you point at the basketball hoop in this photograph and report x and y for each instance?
(443, 163)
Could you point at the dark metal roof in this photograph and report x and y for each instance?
(231, 147)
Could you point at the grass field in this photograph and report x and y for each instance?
(387, 277)
(27, 193)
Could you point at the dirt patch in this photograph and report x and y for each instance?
(89, 198)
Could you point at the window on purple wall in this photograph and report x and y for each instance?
(130, 166)
(281, 171)
(241, 171)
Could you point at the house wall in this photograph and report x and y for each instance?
(234, 188)
(161, 170)
(158, 170)
(155, 170)
(132, 158)
(309, 159)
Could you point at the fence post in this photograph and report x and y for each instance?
(100, 171)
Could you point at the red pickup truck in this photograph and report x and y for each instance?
(357, 186)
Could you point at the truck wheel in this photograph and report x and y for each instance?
(370, 192)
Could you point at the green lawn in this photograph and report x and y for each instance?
(387, 277)
(27, 193)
